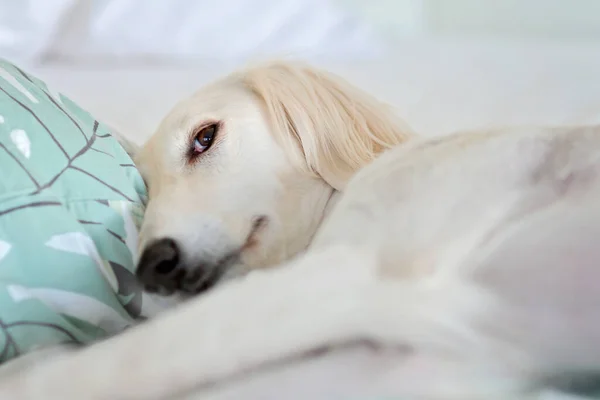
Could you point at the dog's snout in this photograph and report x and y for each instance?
(158, 268)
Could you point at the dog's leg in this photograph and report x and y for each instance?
(33, 358)
(324, 299)
(278, 314)
(534, 326)
(546, 271)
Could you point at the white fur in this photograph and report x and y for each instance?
(290, 137)
(475, 254)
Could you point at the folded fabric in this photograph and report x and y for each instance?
(71, 201)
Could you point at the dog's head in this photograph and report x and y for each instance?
(240, 174)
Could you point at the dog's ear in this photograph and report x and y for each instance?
(329, 127)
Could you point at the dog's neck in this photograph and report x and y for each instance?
(331, 203)
(329, 207)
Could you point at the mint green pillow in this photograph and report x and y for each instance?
(71, 202)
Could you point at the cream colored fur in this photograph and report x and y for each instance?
(291, 137)
(471, 259)
(324, 125)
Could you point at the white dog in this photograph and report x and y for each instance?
(478, 251)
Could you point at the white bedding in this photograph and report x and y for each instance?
(438, 86)
(181, 29)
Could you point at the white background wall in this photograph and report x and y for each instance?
(523, 19)
(177, 30)
(184, 29)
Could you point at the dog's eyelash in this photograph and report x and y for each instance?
(199, 145)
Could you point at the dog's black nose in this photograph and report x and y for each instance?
(158, 269)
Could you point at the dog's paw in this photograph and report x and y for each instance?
(36, 357)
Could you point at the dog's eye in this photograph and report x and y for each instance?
(204, 138)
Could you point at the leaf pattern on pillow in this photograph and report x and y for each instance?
(21, 141)
(71, 203)
(4, 249)
(12, 80)
(72, 304)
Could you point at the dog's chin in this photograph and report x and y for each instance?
(154, 304)
(161, 300)
(232, 272)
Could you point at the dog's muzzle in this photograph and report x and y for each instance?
(158, 269)
(161, 270)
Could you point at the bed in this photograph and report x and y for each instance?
(438, 85)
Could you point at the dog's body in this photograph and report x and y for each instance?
(468, 249)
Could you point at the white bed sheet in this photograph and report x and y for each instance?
(438, 86)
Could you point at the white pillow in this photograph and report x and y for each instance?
(181, 29)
